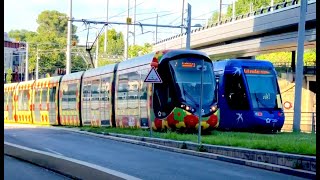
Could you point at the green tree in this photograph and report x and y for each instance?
(52, 31)
(78, 64)
(215, 17)
(115, 44)
(22, 35)
(49, 41)
(137, 50)
(9, 75)
(115, 48)
(309, 57)
(243, 6)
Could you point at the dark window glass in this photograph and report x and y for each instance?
(187, 75)
(53, 94)
(263, 90)
(236, 92)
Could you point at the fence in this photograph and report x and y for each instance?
(307, 122)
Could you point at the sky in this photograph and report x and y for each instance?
(20, 14)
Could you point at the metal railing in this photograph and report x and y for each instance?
(307, 122)
(308, 68)
(259, 11)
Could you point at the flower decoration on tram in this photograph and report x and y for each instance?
(179, 114)
(171, 121)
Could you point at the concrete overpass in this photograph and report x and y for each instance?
(260, 32)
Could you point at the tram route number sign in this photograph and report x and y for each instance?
(153, 77)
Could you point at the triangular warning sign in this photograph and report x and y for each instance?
(153, 77)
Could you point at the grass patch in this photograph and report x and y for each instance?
(296, 143)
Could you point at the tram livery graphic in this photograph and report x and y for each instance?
(249, 96)
(116, 95)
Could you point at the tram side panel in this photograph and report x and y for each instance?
(249, 96)
(69, 99)
(9, 103)
(96, 101)
(96, 96)
(127, 102)
(45, 101)
(23, 100)
(144, 103)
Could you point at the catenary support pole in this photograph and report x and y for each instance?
(68, 63)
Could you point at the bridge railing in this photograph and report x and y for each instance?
(285, 67)
(259, 11)
(307, 122)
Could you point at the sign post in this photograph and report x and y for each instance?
(152, 77)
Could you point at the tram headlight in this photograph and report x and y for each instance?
(258, 113)
(213, 108)
(187, 108)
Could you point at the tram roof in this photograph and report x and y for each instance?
(221, 65)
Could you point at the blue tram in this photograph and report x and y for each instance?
(116, 95)
(248, 96)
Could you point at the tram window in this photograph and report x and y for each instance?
(143, 85)
(133, 85)
(37, 96)
(71, 96)
(23, 100)
(86, 91)
(52, 94)
(123, 86)
(10, 98)
(163, 92)
(44, 99)
(95, 90)
(235, 92)
(5, 98)
(105, 89)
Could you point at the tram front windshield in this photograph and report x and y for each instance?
(187, 76)
(263, 89)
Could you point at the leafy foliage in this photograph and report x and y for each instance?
(115, 44)
(243, 6)
(48, 42)
(309, 57)
(9, 75)
(137, 50)
(22, 35)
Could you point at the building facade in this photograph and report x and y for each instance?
(14, 58)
